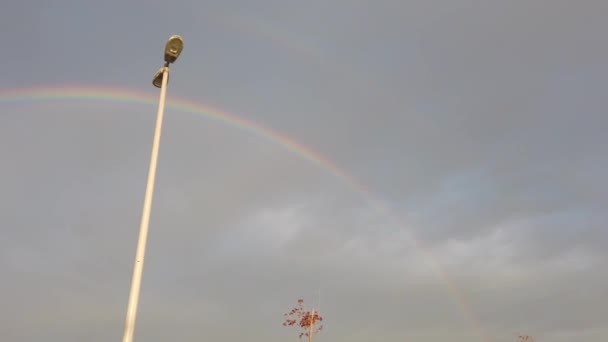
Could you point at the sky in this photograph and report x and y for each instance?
(415, 170)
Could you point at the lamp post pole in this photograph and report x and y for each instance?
(172, 50)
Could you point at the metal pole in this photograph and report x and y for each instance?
(145, 218)
(312, 324)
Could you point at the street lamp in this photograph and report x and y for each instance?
(173, 48)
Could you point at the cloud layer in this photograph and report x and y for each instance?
(475, 132)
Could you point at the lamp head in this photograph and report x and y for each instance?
(157, 81)
(173, 48)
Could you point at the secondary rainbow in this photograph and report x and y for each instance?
(132, 96)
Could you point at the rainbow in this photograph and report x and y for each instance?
(132, 96)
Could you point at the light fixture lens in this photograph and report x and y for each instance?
(173, 48)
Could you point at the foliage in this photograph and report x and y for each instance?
(305, 319)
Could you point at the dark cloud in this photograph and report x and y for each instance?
(475, 132)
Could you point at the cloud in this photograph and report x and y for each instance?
(479, 127)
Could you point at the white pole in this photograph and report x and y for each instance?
(145, 218)
(312, 324)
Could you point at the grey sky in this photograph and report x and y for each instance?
(479, 125)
